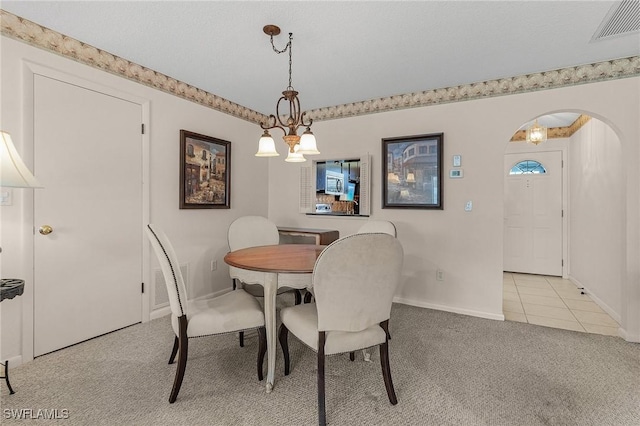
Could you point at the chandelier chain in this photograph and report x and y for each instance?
(289, 48)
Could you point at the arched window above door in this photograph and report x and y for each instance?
(527, 167)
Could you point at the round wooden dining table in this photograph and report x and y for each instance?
(274, 266)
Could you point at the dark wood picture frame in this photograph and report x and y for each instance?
(412, 172)
(205, 172)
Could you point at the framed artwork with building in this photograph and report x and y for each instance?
(412, 172)
(205, 174)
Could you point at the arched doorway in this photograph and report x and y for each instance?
(584, 293)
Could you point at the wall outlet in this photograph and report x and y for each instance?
(439, 275)
(214, 265)
(468, 206)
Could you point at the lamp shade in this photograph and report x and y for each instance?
(308, 143)
(266, 146)
(13, 172)
(296, 156)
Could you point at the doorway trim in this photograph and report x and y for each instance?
(29, 70)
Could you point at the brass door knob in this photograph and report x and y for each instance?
(45, 229)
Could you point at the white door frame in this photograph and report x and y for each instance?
(30, 69)
(558, 145)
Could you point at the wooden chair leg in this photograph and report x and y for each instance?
(262, 349)
(322, 417)
(182, 358)
(386, 370)
(241, 338)
(298, 297)
(174, 351)
(307, 297)
(283, 337)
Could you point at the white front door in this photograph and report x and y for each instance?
(533, 215)
(88, 270)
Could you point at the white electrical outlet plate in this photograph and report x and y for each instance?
(468, 206)
(457, 160)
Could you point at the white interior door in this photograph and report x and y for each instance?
(533, 215)
(88, 270)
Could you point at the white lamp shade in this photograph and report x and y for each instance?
(266, 146)
(308, 144)
(296, 156)
(13, 172)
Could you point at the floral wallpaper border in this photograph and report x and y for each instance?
(24, 30)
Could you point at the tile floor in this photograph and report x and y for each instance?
(553, 302)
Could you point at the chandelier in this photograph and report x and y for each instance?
(289, 124)
(536, 133)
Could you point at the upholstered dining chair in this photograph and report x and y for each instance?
(370, 226)
(378, 226)
(232, 312)
(254, 231)
(354, 280)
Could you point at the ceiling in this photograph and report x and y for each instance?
(343, 52)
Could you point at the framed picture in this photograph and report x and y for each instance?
(205, 174)
(412, 172)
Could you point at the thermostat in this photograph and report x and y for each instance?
(456, 173)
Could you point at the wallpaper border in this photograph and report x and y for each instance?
(29, 32)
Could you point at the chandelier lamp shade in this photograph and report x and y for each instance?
(290, 122)
(536, 133)
(13, 172)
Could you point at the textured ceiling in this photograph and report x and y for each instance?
(343, 51)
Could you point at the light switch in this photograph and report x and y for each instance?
(6, 198)
(457, 160)
(469, 206)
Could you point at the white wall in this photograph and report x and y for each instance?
(199, 236)
(468, 246)
(596, 198)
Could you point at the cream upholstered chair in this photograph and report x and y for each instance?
(232, 312)
(378, 226)
(254, 231)
(371, 226)
(354, 281)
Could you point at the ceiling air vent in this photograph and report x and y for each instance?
(622, 19)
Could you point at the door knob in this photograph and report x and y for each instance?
(45, 229)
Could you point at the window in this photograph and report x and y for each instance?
(527, 167)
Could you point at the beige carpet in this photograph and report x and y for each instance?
(448, 369)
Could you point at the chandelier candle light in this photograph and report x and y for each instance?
(536, 133)
(298, 145)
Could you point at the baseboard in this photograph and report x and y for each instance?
(159, 313)
(631, 338)
(613, 314)
(469, 312)
(14, 361)
(166, 310)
